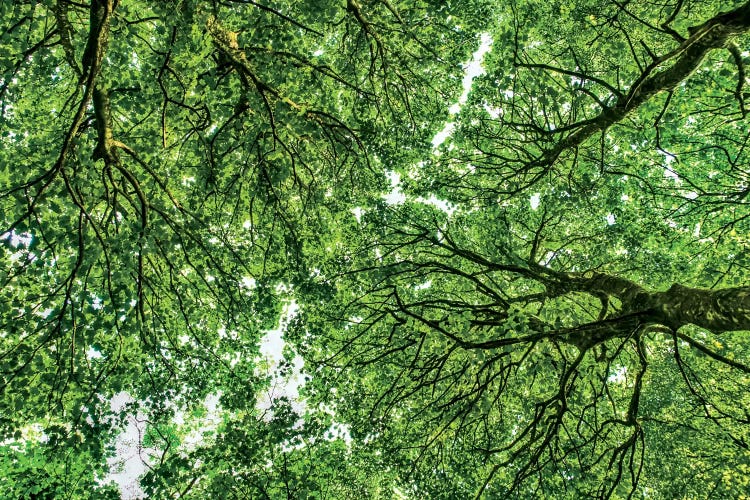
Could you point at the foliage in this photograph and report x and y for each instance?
(558, 308)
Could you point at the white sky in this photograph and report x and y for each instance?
(472, 69)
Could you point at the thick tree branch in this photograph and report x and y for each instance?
(715, 33)
(719, 311)
(66, 34)
(95, 49)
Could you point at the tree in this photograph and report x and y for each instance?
(161, 165)
(569, 324)
(573, 325)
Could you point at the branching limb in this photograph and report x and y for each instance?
(738, 91)
(66, 34)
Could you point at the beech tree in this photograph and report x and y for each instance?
(555, 305)
(573, 322)
(162, 164)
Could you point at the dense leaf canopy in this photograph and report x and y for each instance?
(547, 299)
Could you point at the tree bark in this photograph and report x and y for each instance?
(715, 33)
(715, 310)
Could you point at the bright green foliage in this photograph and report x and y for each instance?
(162, 166)
(544, 340)
(173, 174)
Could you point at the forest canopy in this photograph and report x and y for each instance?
(374, 248)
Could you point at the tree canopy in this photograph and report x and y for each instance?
(530, 282)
